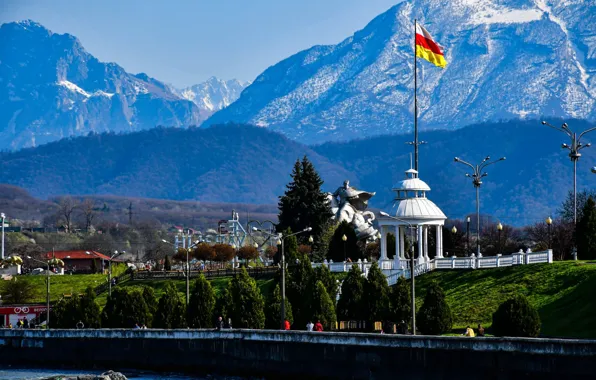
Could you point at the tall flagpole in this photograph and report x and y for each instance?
(415, 103)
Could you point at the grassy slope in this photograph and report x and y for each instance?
(562, 292)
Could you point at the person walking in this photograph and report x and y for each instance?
(286, 324)
(469, 332)
(80, 325)
(219, 323)
(229, 324)
(25, 322)
(309, 326)
(318, 326)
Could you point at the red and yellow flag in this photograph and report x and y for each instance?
(427, 48)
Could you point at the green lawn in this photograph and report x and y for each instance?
(563, 292)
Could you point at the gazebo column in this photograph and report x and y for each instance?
(439, 244)
(402, 245)
(420, 244)
(383, 243)
(426, 243)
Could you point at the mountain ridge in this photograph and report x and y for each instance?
(364, 84)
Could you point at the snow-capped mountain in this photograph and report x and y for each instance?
(214, 94)
(51, 88)
(506, 59)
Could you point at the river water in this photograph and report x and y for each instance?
(31, 374)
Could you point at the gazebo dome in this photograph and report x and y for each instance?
(418, 208)
(410, 187)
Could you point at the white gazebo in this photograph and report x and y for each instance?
(414, 210)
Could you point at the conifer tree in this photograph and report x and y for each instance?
(299, 283)
(586, 231)
(246, 308)
(376, 295)
(167, 264)
(340, 250)
(400, 301)
(66, 313)
(434, 316)
(150, 299)
(94, 266)
(170, 310)
(323, 308)
(201, 304)
(304, 204)
(89, 311)
(324, 275)
(124, 309)
(351, 306)
(273, 310)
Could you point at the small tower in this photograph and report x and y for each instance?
(412, 209)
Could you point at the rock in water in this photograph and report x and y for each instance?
(111, 375)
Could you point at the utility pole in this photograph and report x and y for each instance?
(130, 214)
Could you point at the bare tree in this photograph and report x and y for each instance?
(88, 211)
(67, 205)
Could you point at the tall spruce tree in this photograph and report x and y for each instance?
(201, 304)
(170, 309)
(304, 204)
(323, 308)
(434, 316)
(586, 231)
(247, 306)
(376, 295)
(350, 306)
(400, 302)
(273, 310)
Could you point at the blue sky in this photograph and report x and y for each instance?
(184, 42)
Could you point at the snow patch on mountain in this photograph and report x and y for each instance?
(214, 94)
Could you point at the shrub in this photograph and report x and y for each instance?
(516, 317)
(323, 308)
(434, 317)
(351, 300)
(376, 295)
(242, 301)
(170, 310)
(401, 302)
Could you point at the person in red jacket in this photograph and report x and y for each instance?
(287, 324)
(318, 326)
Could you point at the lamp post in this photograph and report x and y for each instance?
(574, 155)
(477, 175)
(412, 274)
(187, 265)
(549, 223)
(468, 236)
(47, 289)
(500, 229)
(280, 240)
(2, 216)
(344, 238)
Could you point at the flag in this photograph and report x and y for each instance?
(427, 48)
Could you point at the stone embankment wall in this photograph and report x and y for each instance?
(297, 354)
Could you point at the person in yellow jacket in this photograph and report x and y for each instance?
(469, 332)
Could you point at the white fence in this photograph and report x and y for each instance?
(393, 269)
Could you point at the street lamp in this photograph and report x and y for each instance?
(468, 236)
(344, 238)
(454, 230)
(477, 175)
(2, 216)
(187, 265)
(500, 229)
(549, 223)
(412, 274)
(574, 155)
(280, 241)
(47, 289)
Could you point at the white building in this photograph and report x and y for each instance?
(414, 214)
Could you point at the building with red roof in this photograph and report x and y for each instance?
(81, 260)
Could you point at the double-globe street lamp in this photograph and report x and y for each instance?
(187, 265)
(412, 274)
(500, 229)
(477, 175)
(280, 240)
